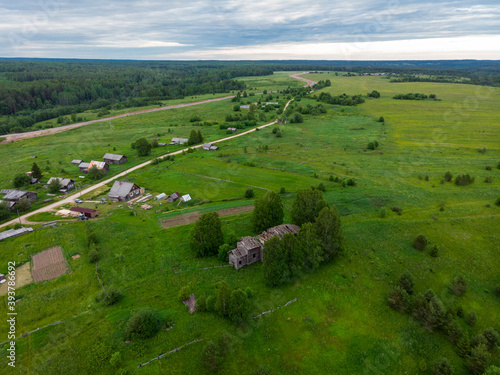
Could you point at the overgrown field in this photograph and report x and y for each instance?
(341, 322)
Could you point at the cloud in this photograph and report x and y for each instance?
(158, 29)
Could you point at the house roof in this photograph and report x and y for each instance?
(83, 210)
(180, 140)
(8, 204)
(186, 198)
(206, 146)
(121, 188)
(174, 195)
(245, 244)
(63, 181)
(97, 164)
(76, 161)
(161, 196)
(279, 230)
(112, 156)
(84, 165)
(14, 195)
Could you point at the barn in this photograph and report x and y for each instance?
(88, 212)
(114, 159)
(123, 191)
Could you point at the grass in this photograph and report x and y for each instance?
(341, 320)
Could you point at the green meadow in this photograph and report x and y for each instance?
(341, 322)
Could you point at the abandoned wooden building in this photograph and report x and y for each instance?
(66, 184)
(123, 191)
(76, 161)
(14, 195)
(249, 249)
(173, 197)
(114, 159)
(100, 165)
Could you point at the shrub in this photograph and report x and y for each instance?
(491, 337)
(275, 129)
(210, 303)
(382, 213)
(207, 235)
(109, 297)
(478, 360)
(399, 299)
(184, 293)
(471, 318)
(488, 180)
(448, 176)
(321, 187)
(420, 242)
(434, 251)
(279, 134)
(464, 180)
(142, 324)
(381, 119)
(249, 193)
(142, 146)
(497, 202)
(115, 359)
(488, 168)
(248, 292)
(222, 255)
(406, 282)
(351, 182)
(397, 209)
(463, 346)
(282, 190)
(23, 205)
(497, 291)
(442, 367)
(21, 180)
(93, 256)
(371, 146)
(458, 286)
(492, 370)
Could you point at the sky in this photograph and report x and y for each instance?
(251, 30)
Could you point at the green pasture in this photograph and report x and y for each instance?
(341, 322)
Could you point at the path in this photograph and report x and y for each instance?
(309, 83)
(60, 129)
(71, 199)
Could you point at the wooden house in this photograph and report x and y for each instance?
(123, 191)
(67, 184)
(114, 159)
(13, 195)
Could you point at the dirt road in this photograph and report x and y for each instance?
(71, 199)
(60, 129)
(308, 82)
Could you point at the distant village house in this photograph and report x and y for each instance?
(173, 197)
(13, 195)
(179, 141)
(67, 184)
(210, 147)
(100, 165)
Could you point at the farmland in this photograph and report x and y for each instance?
(341, 322)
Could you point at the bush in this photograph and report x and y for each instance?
(184, 293)
(471, 318)
(223, 256)
(248, 292)
(93, 256)
(397, 209)
(497, 291)
(249, 193)
(207, 235)
(464, 180)
(478, 360)
(497, 202)
(434, 252)
(420, 242)
(448, 176)
(210, 303)
(23, 205)
(406, 282)
(351, 182)
(488, 180)
(399, 299)
(382, 213)
(488, 168)
(109, 297)
(283, 191)
(275, 129)
(491, 337)
(321, 187)
(442, 367)
(458, 286)
(492, 370)
(142, 324)
(371, 146)
(21, 180)
(381, 119)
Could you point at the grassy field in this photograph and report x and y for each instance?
(341, 322)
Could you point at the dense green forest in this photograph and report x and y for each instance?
(35, 90)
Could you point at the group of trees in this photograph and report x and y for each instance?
(230, 304)
(207, 235)
(432, 313)
(319, 240)
(340, 99)
(411, 96)
(143, 147)
(195, 137)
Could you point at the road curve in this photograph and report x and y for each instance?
(308, 82)
(60, 129)
(71, 198)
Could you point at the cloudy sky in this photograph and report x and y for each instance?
(251, 30)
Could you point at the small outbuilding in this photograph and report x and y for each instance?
(210, 147)
(160, 197)
(123, 191)
(76, 161)
(14, 195)
(179, 141)
(15, 232)
(173, 197)
(34, 180)
(114, 159)
(88, 212)
(67, 184)
(185, 198)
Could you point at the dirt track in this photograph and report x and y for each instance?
(308, 82)
(60, 129)
(191, 217)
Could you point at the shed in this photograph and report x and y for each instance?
(10, 205)
(210, 147)
(15, 232)
(88, 212)
(66, 183)
(34, 180)
(84, 166)
(185, 198)
(123, 191)
(160, 197)
(76, 161)
(173, 197)
(232, 129)
(114, 159)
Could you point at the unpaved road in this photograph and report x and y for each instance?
(60, 129)
(308, 82)
(71, 199)
(191, 217)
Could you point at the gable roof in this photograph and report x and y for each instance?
(112, 156)
(63, 181)
(13, 195)
(97, 164)
(15, 232)
(76, 161)
(84, 165)
(122, 188)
